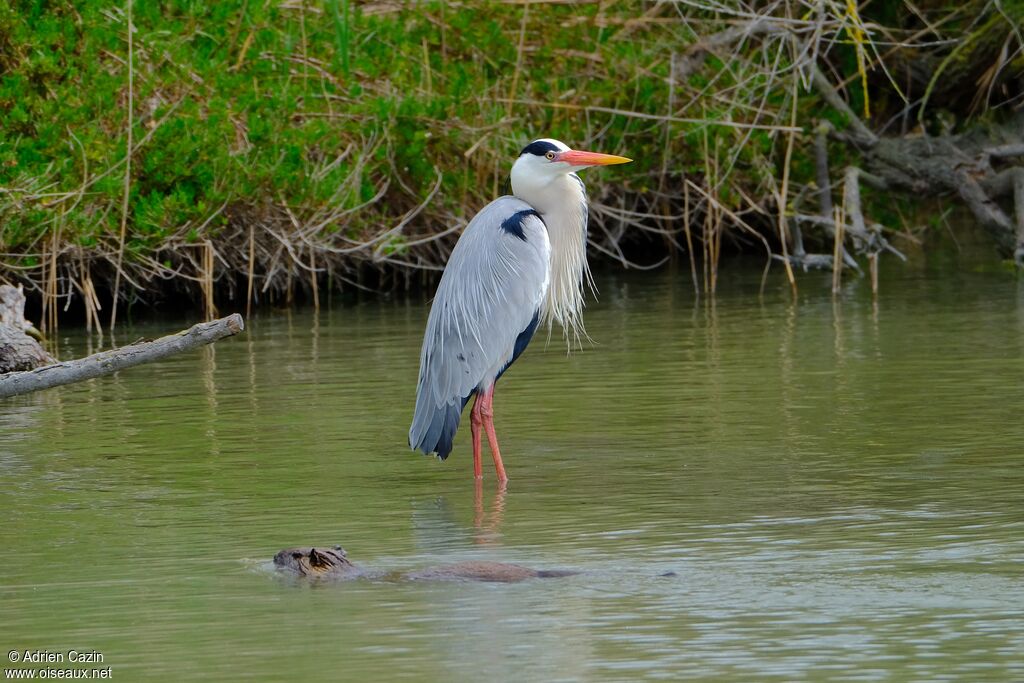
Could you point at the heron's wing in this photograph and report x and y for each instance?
(488, 296)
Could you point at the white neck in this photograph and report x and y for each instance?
(562, 203)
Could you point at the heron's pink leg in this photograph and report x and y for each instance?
(487, 412)
(476, 421)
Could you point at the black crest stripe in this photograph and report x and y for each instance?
(539, 148)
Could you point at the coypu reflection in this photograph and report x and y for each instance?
(333, 563)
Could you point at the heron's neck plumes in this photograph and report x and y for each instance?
(562, 204)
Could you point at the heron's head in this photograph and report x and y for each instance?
(544, 161)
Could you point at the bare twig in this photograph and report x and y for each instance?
(127, 173)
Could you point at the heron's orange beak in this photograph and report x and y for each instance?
(577, 158)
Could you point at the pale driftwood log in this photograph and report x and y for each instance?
(109, 362)
(18, 350)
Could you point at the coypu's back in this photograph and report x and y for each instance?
(316, 562)
(499, 572)
(333, 563)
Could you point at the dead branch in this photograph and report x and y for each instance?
(943, 165)
(862, 135)
(986, 210)
(109, 362)
(1006, 151)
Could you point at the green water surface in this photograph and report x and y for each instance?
(837, 487)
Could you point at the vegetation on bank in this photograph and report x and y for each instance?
(283, 146)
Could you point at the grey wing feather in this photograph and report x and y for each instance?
(489, 293)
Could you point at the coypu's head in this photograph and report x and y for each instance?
(314, 562)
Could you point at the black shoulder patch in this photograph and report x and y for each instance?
(513, 225)
(539, 148)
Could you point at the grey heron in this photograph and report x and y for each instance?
(521, 262)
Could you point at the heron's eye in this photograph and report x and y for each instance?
(550, 156)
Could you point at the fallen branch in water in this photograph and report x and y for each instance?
(109, 362)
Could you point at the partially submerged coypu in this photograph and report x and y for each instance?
(333, 563)
(316, 562)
